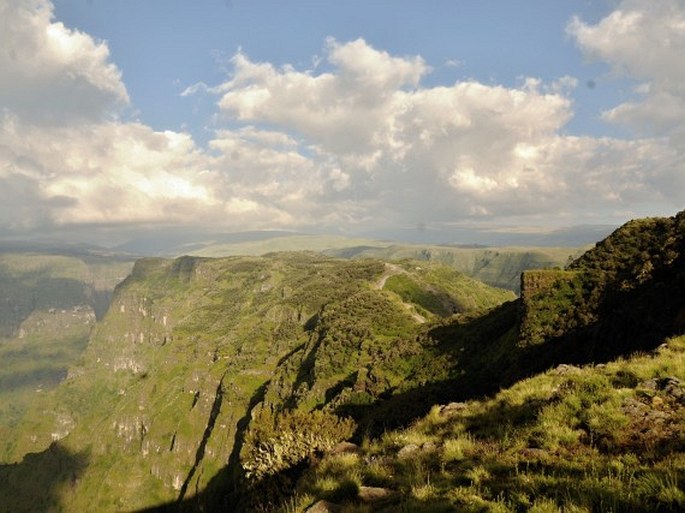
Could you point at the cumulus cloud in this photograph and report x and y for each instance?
(357, 143)
(66, 159)
(643, 40)
(52, 73)
(410, 154)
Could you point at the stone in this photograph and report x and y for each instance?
(452, 408)
(324, 507)
(565, 369)
(345, 447)
(407, 451)
(375, 494)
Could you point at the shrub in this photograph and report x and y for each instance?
(281, 441)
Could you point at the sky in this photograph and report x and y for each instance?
(120, 118)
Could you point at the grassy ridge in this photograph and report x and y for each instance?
(596, 438)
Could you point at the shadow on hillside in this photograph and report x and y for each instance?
(224, 491)
(45, 376)
(26, 293)
(486, 355)
(37, 483)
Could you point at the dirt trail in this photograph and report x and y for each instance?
(390, 270)
(394, 270)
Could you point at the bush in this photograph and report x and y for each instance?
(281, 441)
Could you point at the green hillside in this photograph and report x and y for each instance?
(593, 436)
(499, 267)
(196, 355)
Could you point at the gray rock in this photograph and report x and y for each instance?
(452, 408)
(565, 369)
(324, 507)
(407, 451)
(345, 447)
(375, 494)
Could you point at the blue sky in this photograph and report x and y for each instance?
(121, 117)
(164, 46)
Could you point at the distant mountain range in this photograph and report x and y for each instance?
(177, 242)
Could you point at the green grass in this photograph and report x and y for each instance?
(570, 440)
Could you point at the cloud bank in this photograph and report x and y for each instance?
(356, 144)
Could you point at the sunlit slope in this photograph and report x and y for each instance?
(181, 364)
(591, 438)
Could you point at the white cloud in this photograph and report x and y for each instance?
(106, 172)
(52, 73)
(644, 40)
(64, 158)
(357, 142)
(411, 154)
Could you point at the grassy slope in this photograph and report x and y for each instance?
(596, 438)
(187, 351)
(600, 438)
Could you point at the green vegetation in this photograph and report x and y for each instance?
(225, 384)
(498, 267)
(199, 361)
(596, 438)
(593, 438)
(279, 442)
